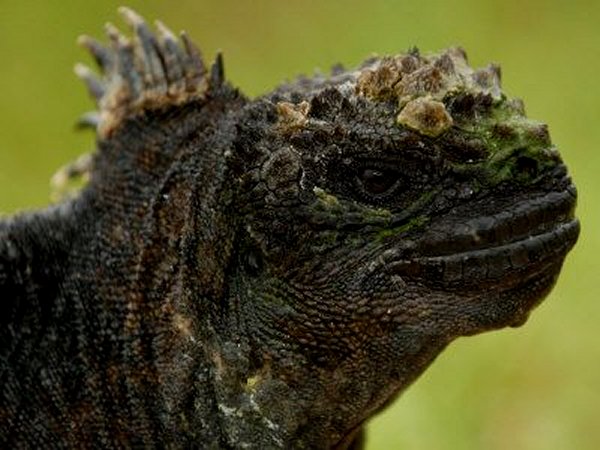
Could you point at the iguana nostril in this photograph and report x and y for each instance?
(526, 165)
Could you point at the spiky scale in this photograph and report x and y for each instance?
(217, 72)
(90, 119)
(129, 78)
(194, 64)
(95, 86)
(102, 55)
(172, 55)
(145, 72)
(147, 52)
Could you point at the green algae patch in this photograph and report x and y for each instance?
(402, 229)
(326, 199)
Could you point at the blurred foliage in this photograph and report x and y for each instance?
(530, 388)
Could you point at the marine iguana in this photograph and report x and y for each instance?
(270, 272)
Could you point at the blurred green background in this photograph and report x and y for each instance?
(537, 387)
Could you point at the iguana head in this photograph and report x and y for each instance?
(388, 210)
(321, 244)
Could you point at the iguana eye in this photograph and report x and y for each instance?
(376, 181)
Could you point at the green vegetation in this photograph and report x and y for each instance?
(532, 388)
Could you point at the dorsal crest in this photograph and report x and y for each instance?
(148, 71)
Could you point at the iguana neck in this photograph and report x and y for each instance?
(268, 395)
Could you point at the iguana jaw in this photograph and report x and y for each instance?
(534, 215)
(510, 261)
(488, 247)
(491, 265)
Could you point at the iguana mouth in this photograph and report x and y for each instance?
(533, 236)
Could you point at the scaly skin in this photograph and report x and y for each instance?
(269, 273)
